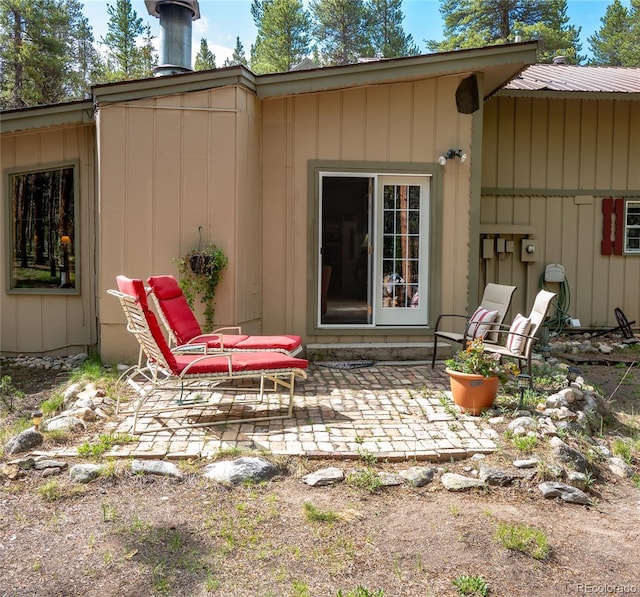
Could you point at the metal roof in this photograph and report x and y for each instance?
(572, 78)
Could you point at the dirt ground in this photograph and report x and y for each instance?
(131, 535)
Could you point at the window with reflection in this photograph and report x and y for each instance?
(43, 235)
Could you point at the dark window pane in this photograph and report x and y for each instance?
(43, 233)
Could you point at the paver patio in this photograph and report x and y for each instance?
(392, 410)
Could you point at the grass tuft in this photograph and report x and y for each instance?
(313, 514)
(524, 538)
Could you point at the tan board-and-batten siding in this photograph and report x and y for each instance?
(547, 165)
(51, 322)
(372, 129)
(170, 166)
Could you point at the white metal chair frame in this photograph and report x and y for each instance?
(156, 374)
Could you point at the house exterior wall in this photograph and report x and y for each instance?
(547, 165)
(168, 166)
(48, 322)
(402, 123)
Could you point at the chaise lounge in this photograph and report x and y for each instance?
(192, 376)
(183, 328)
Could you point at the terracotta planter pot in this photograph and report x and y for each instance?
(473, 393)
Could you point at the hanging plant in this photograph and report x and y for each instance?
(200, 273)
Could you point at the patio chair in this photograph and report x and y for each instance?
(183, 328)
(484, 322)
(166, 369)
(521, 335)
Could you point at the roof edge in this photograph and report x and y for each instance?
(22, 119)
(395, 69)
(325, 78)
(585, 95)
(123, 91)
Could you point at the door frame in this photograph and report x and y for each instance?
(404, 316)
(360, 168)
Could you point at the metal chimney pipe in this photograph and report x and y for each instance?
(175, 34)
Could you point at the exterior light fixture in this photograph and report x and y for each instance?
(524, 382)
(452, 153)
(36, 419)
(546, 352)
(572, 375)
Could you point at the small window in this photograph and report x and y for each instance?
(43, 235)
(632, 227)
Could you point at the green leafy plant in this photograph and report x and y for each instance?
(471, 585)
(525, 443)
(105, 442)
(200, 273)
(473, 359)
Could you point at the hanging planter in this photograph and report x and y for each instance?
(199, 263)
(200, 273)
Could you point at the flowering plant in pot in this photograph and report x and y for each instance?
(200, 273)
(475, 376)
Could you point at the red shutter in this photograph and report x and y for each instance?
(606, 248)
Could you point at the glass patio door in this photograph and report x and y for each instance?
(401, 249)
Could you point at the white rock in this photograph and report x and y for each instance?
(325, 476)
(619, 467)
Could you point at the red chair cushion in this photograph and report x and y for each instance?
(284, 342)
(240, 362)
(186, 327)
(228, 340)
(135, 288)
(175, 308)
(256, 361)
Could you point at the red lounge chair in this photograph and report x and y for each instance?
(167, 369)
(183, 328)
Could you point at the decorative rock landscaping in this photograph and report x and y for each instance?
(566, 470)
(44, 362)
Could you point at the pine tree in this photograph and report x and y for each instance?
(238, 56)
(283, 35)
(617, 42)
(46, 52)
(125, 60)
(387, 35)
(342, 30)
(631, 46)
(205, 59)
(477, 23)
(607, 44)
(147, 55)
(87, 67)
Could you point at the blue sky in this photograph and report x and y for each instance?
(223, 20)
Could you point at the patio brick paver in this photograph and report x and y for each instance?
(392, 410)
